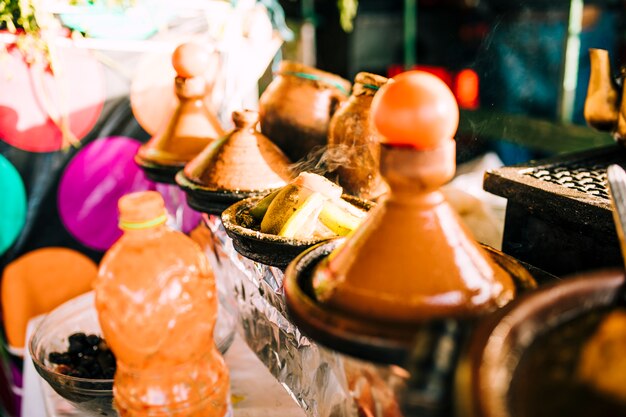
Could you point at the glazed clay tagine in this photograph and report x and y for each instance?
(412, 259)
(192, 127)
(602, 102)
(353, 141)
(242, 164)
(296, 107)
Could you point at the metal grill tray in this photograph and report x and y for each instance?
(570, 188)
(560, 206)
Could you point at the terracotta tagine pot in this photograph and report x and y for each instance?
(355, 140)
(602, 103)
(531, 358)
(192, 127)
(296, 107)
(413, 259)
(412, 262)
(408, 286)
(242, 164)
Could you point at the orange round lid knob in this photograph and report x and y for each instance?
(416, 109)
(190, 60)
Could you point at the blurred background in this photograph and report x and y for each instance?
(500, 57)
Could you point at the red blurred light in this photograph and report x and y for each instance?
(466, 89)
(464, 84)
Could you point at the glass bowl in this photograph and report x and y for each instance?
(93, 396)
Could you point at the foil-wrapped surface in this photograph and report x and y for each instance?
(323, 382)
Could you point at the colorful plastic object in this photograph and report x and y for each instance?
(157, 305)
(13, 208)
(38, 282)
(93, 181)
(33, 99)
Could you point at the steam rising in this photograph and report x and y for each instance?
(324, 160)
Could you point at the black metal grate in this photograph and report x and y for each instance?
(588, 176)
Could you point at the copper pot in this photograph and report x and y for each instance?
(296, 107)
(355, 142)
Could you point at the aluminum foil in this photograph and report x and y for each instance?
(323, 382)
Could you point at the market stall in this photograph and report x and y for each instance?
(176, 242)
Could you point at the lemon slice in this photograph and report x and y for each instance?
(303, 221)
(318, 184)
(350, 208)
(338, 219)
(293, 208)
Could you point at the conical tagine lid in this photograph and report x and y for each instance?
(413, 259)
(192, 126)
(244, 160)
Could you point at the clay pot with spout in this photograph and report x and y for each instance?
(296, 108)
(602, 102)
(354, 143)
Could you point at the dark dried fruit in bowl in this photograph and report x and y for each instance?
(93, 340)
(60, 358)
(77, 342)
(88, 356)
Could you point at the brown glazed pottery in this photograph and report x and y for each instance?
(372, 339)
(266, 248)
(412, 258)
(602, 102)
(296, 107)
(353, 137)
(522, 361)
(192, 127)
(242, 164)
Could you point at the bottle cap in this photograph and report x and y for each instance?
(142, 210)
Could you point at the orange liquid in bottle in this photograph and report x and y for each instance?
(157, 306)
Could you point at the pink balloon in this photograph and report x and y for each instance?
(94, 181)
(29, 93)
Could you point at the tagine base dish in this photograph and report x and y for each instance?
(157, 172)
(535, 344)
(212, 201)
(380, 342)
(266, 248)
